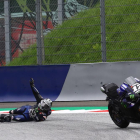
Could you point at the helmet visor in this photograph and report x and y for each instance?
(45, 107)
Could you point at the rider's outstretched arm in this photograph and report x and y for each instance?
(35, 91)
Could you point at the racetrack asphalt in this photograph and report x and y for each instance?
(68, 126)
(77, 126)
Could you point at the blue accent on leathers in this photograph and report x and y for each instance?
(24, 113)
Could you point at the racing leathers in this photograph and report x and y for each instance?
(27, 112)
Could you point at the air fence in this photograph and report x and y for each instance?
(44, 32)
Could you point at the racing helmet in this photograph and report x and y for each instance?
(45, 104)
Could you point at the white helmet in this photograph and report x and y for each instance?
(45, 104)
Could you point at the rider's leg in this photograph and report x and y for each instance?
(20, 118)
(8, 118)
(5, 118)
(18, 110)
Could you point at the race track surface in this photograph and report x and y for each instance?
(68, 126)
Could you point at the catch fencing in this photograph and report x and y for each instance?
(44, 32)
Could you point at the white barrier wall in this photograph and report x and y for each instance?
(83, 81)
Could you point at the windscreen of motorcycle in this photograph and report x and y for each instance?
(130, 80)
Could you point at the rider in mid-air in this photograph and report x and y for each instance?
(38, 112)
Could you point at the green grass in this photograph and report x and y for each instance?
(67, 44)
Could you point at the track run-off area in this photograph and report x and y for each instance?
(69, 123)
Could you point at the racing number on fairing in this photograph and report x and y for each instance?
(136, 88)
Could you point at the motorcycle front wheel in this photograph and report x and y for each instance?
(117, 117)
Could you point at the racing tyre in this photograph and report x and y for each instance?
(117, 117)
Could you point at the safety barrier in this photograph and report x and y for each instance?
(83, 81)
(75, 82)
(15, 87)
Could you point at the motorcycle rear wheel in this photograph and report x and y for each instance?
(117, 117)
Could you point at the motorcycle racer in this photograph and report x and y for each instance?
(38, 112)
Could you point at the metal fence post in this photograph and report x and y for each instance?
(60, 11)
(39, 32)
(7, 16)
(103, 34)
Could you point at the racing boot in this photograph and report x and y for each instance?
(5, 118)
(11, 112)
